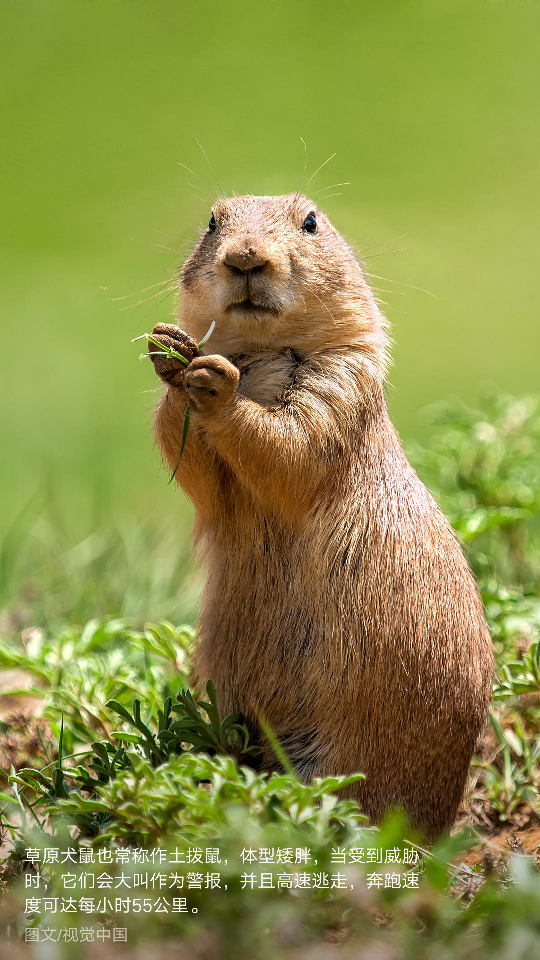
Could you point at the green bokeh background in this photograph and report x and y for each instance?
(432, 109)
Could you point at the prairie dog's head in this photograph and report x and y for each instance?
(274, 273)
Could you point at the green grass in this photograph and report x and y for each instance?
(55, 576)
(104, 745)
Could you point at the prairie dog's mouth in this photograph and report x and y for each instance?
(253, 306)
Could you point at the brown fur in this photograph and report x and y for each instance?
(338, 604)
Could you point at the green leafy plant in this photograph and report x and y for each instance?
(484, 466)
(513, 775)
(228, 736)
(133, 761)
(78, 672)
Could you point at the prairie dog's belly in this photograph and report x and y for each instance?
(265, 378)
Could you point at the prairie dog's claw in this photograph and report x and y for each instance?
(210, 382)
(169, 369)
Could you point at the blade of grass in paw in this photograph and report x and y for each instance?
(168, 352)
(171, 353)
(207, 335)
(183, 442)
(188, 411)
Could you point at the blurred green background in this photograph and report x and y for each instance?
(432, 109)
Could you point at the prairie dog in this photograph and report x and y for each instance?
(338, 604)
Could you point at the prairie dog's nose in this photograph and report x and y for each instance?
(244, 261)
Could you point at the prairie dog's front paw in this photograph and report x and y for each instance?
(169, 336)
(210, 382)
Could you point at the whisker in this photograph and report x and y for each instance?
(339, 194)
(320, 168)
(183, 239)
(193, 174)
(301, 187)
(410, 285)
(346, 183)
(312, 291)
(134, 306)
(384, 242)
(197, 197)
(303, 300)
(161, 283)
(389, 253)
(211, 168)
(195, 187)
(296, 277)
(160, 246)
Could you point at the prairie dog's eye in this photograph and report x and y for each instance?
(310, 223)
(212, 223)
